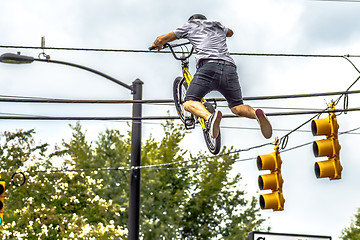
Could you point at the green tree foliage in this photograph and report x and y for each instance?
(50, 205)
(352, 232)
(182, 196)
(189, 200)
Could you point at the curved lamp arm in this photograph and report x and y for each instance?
(20, 59)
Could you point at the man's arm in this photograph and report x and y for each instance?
(161, 40)
(229, 33)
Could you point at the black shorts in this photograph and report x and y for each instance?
(219, 76)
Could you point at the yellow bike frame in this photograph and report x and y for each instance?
(188, 78)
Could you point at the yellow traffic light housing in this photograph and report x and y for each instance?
(2, 204)
(329, 147)
(272, 181)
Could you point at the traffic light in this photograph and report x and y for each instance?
(329, 147)
(2, 205)
(274, 181)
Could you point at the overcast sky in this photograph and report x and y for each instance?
(313, 206)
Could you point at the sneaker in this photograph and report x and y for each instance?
(213, 124)
(264, 123)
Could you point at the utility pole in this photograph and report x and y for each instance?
(135, 174)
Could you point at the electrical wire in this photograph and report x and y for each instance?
(284, 138)
(28, 99)
(77, 170)
(162, 52)
(233, 152)
(102, 118)
(308, 143)
(164, 166)
(256, 128)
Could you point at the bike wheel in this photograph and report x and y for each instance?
(213, 144)
(179, 91)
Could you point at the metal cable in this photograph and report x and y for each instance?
(157, 52)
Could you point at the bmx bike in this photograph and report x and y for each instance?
(180, 87)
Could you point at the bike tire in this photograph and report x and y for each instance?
(179, 91)
(213, 144)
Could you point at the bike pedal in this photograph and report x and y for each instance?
(189, 123)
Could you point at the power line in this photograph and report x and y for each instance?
(308, 143)
(78, 170)
(81, 49)
(233, 152)
(222, 127)
(87, 118)
(169, 117)
(162, 52)
(256, 128)
(164, 166)
(27, 99)
(285, 138)
(17, 117)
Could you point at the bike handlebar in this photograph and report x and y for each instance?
(165, 46)
(151, 48)
(172, 46)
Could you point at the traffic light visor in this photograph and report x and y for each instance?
(267, 161)
(271, 181)
(321, 126)
(328, 168)
(273, 201)
(2, 196)
(323, 148)
(324, 169)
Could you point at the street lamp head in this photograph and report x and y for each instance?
(15, 58)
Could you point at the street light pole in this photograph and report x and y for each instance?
(135, 174)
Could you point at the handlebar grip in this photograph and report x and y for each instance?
(165, 46)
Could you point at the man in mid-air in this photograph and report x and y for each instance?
(216, 70)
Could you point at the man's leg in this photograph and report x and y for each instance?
(197, 108)
(258, 114)
(212, 120)
(244, 111)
